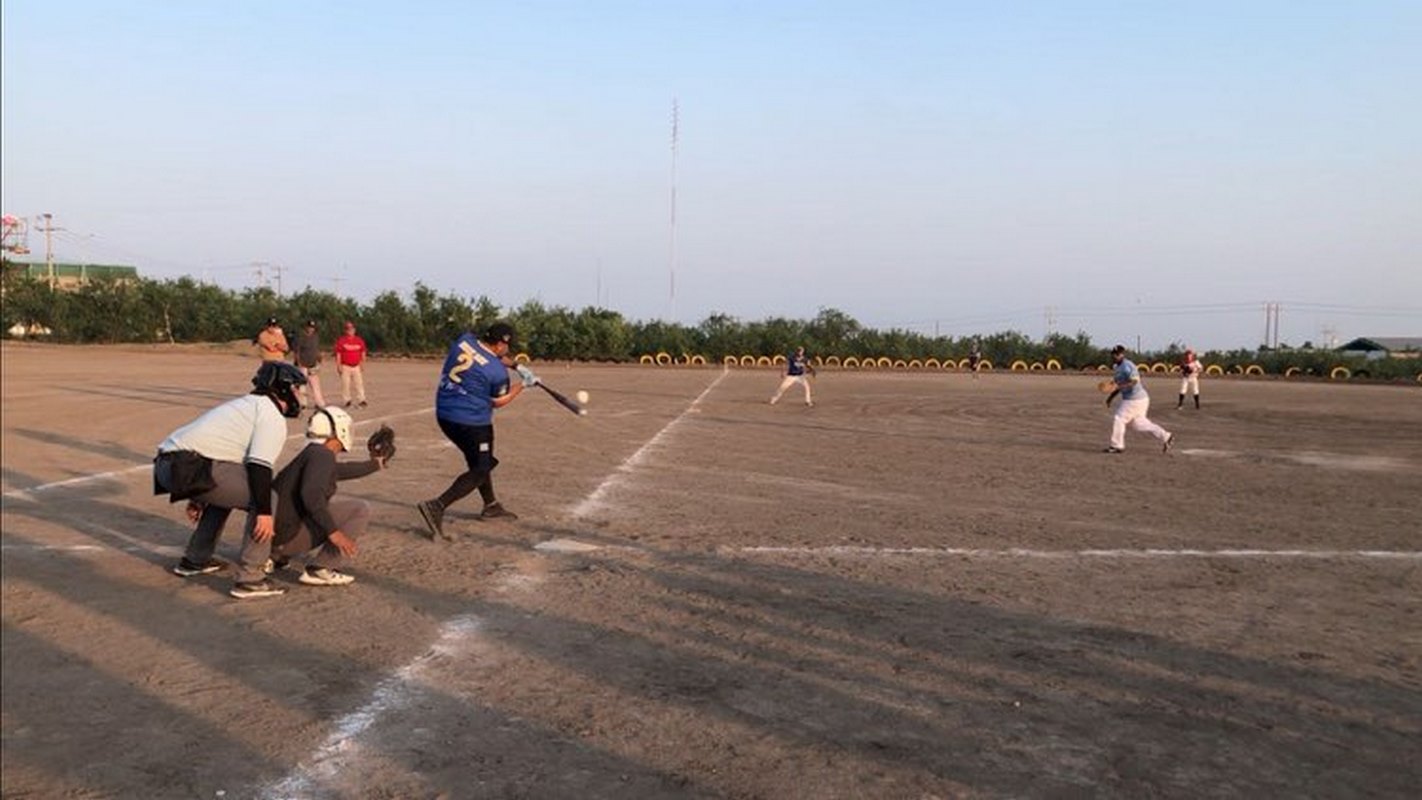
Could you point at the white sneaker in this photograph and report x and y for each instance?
(321, 576)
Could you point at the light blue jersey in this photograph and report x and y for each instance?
(1126, 371)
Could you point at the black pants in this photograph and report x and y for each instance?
(476, 442)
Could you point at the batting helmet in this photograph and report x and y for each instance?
(330, 423)
(278, 380)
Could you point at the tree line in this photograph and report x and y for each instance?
(425, 321)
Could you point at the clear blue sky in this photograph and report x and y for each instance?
(1146, 169)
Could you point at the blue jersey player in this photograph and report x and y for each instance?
(472, 383)
(797, 365)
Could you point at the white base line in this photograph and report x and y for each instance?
(29, 493)
(341, 751)
(594, 500)
(1018, 552)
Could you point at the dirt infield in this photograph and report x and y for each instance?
(925, 586)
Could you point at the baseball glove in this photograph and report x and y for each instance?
(1106, 386)
(381, 444)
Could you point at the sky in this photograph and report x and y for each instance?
(1145, 172)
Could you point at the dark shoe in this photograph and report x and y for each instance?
(1169, 442)
(262, 588)
(362, 404)
(273, 565)
(1113, 450)
(497, 511)
(433, 515)
(348, 404)
(187, 569)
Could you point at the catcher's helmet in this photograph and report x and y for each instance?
(278, 380)
(330, 423)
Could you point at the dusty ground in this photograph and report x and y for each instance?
(926, 586)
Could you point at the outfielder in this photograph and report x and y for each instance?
(1190, 369)
(1134, 405)
(796, 365)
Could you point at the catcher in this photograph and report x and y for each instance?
(309, 517)
(796, 367)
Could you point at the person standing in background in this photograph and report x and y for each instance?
(1190, 369)
(308, 360)
(271, 341)
(350, 360)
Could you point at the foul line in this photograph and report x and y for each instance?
(102, 476)
(341, 751)
(1019, 552)
(594, 500)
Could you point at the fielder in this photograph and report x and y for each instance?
(223, 461)
(310, 520)
(796, 365)
(1134, 405)
(1190, 369)
(975, 357)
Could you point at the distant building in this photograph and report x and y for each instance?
(1384, 347)
(71, 276)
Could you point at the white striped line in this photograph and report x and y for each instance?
(341, 753)
(1020, 552)
(29, 494)
(594, 501)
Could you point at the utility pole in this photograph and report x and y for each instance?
(278, 269)
(49, 230)
(1051, 314)
(671, 260)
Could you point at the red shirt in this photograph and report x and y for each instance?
(350, 350)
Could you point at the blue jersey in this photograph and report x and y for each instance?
(1126, 371)
(795, 365)
(471, 378)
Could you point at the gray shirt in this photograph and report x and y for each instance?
(308, 349)
(304, 489)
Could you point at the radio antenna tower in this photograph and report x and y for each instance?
(671, 258)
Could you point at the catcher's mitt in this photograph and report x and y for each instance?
(381, 444)
(1106, 386)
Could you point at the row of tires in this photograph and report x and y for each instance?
(1050, 365)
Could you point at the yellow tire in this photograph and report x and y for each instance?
(933, 363)
(698, 361)
(1103, 368)
(1214, 369)
(645, 359)
(985, 366)
(851, 363)
(730, 361)
(833, 361)
(963, 363)
(1019, 366)
(522, 358)
(665, 358)
(764, 361)
(1292, 371)
(1159, 367)
(778, 360)
(1253, 369)
(1037, 366)
(1340, 373)
(747, 361)
(899, 363)
(1054, 365)
(884, 362)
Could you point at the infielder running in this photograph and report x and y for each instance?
(472, 383)
(796, 365)
(223, 461)
(1190, 369)
(1134, 405)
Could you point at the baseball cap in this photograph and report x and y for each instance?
(310, 323)
(499, 332)
(1118, 350)
(271, 321)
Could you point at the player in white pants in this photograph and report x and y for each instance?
(1190, 369)
(796, 365)
(1134, 405)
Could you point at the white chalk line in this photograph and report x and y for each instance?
(341, 752)
(1021, 552)
(594, 501)
(29, 494)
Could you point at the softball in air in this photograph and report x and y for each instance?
(582, 396)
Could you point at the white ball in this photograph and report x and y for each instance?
(582, 396)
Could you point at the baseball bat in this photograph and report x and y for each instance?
(563, 401)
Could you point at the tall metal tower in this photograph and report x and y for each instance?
(671, 257)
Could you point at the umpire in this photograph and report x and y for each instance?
(472, 383)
